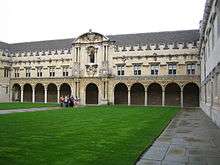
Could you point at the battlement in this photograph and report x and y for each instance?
(158, 47)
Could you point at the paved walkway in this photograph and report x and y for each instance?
(190, 139)
(26, 110)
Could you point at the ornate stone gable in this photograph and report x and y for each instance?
(90, 37)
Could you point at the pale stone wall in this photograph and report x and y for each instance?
(210, 62)
(4, 81)
(103, 72)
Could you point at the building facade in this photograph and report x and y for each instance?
(210, 60)
(161, 68)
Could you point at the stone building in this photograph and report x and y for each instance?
(210, 60)
(161, 68)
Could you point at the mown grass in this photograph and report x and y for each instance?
(114, 135)
(19, 105)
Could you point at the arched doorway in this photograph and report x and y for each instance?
(137, 94)
(65, 90)
(191, 95)
(92, 94)
(121, 94)
(16, 92)
(27, 93)
(172, 94)
(154, 94)
(39, 93)
(52, 93)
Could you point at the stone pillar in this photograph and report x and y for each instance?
(58, 94)
(181, 97)
(45, 94)
(113, 96)
(72, 91)
(145, 97)
(22, 93)
(163, 96)
(10, 94)
(33, 94)
(129, 96)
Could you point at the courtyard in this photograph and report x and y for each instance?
(86, 135)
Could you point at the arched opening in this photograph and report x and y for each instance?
(52, 93)
(65, 90)
(154, 94)
(16, 92)
(172, 94)
(92, 94)
(27, 93)
(121, 94)
(39, 93)
(191, 95)
(137, 94)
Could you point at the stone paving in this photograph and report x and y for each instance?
(26, 110)
(190, 139)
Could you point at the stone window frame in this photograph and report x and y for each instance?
(191, 68)
(154, 69)
(28, 71)
(172, 68)
(39, 71)
(16, 72)
(65, 71)
(6, 71)
(120, 69)
(137, 69)
(52, 71)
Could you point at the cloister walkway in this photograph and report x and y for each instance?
(190, 139)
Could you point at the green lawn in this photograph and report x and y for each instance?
(114, 135)
(19, 105)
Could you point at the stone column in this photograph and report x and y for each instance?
(33, 94)
(72, 91)
(181, 97)
(129, 96)
(10, 93)
(22, 93)
(145, 98)
(113, 96)
(58, 94)
(163, 96)
(45, 94)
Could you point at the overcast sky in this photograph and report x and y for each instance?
(33, 20)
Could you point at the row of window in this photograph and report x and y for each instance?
(40, 73)
(155, 69)
(120, 70)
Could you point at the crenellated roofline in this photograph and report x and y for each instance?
(128, 40)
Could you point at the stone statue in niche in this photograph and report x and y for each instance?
(91, 53)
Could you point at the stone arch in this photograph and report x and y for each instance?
(92, 94)
(27, 93)
(154, 94)
(137, 94)
(52, 92)
(191, 95)
(16, 92)
(172, 94)
(65, 90)
(39, 93)
(120, 94)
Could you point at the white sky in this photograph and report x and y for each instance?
(33, 20)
